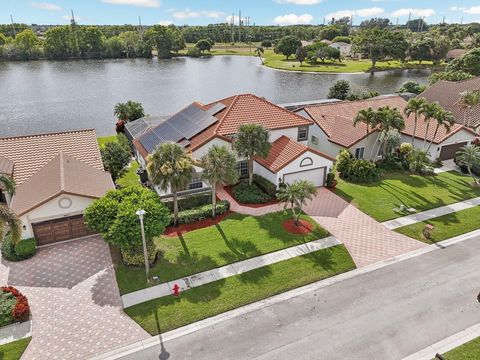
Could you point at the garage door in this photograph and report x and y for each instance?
(317, 176)
(450, 151)
(52, 231)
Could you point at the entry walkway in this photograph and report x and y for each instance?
(223, 272)
(430, 214)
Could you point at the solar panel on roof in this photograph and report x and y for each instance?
(150, 140)
(215, 109)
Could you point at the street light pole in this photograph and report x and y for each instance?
(140, 214)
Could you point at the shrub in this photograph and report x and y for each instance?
(194, 52)
(405, 149)
(202, 212)
(391, 162)
(26, 248)
(13, 306)
(330, 181)
(339, 90)
(265, 185)
(363, 171)
(344, 158)
(250, 194)
(190, 202)
(134, 256)
(7, 304)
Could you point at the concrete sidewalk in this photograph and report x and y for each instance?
(430, 214)
(223, 272)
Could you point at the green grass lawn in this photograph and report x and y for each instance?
(468, 351)
(102, 140)
(14, 350)
(236, 238)
(130, 177)
(420, 192)
(446, 226)
(167, 313)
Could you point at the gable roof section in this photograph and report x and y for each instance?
(31, 153)
(61, 175)
(283, 151)
(447, 93)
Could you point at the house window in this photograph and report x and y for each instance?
(242, 168)
(359, 152)
(196, 183)
(306, 162)
(302, 133)
(314, 140)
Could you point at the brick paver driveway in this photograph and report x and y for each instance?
(367, 240)
(74, 298)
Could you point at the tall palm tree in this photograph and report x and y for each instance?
(389, 119)
(444, 119)
(468, 100)
(170, 167)
(470, 156)
(414, 106)
(259, 52)
(7, 183)
(218, 166)
(428, 110)
(251, 141)
(367, 117)
(296, 195)
(8, 216)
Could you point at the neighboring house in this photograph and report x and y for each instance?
(447, 94)
(197, 127)
(57, 175)
(453, 54)
(335, 130)
(344, 48)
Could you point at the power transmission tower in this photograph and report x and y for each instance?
(239, 26)
(13, 26)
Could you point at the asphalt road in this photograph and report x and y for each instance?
(389, 313)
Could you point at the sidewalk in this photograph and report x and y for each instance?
(165, 289)
(430, 214)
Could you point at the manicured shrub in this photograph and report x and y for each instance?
(265, 185)
(202, 212)
(26, 248)
(392, 163)
(250, 194)
(363, 171)
(330, 181)
(7, 304)
(134, 256)
(13, 306)
(344, 158)
(190, 202)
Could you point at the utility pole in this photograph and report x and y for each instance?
(13, 26)
(239, 26)
(232, 27)
(140, 27)
(409, 17)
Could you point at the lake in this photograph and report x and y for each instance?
(47, 96)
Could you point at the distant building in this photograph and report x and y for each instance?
(344, 48)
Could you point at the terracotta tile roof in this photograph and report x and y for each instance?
(30, 153)
(283, 151)
(336, 120)
(447, 93)
(6, 166)
(63, 174)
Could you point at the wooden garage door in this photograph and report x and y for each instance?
(317, 176)
(450, 151)
(52, 231)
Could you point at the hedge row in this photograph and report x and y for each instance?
(24, 249)
(265, 185)
(201, 212)
(190, 202)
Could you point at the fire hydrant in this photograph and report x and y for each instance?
(176, 290)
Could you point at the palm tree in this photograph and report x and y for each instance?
(170, 167)
(414, 106)
(251, 141)
(128, 111)
(259, 52)
(389, 119)
(7, 183)
(468, 100)
(470, 156)
(367, 117)
(7, 216)
(428, 110)
(444, 119)
(417, 160)
(296, 195)
(218, 166)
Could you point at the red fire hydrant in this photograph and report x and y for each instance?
(176, 290)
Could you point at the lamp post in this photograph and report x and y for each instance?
(140, 214)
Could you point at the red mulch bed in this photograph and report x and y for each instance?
(304, 227)
(172, 231)
(229, 191)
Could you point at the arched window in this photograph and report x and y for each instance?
(306, 162)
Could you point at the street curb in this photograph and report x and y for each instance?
(191, 328)
(447, 344)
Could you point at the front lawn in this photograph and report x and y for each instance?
(422, 193)
(236, 238)
(130, 177)
(102, 140)
(14, 350)
(167, 313)
(446, 226)
(468, 351)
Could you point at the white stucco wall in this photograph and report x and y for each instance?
(53, 210)
(197, 154)
(291, 133)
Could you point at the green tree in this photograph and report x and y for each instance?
(129, 111)
(428, 110)
(443, 119)
(470, 156)
(467, 63)
(114, 216)
(367, 117)
(7, 215)
(417, 160)
(344, 39)
(114, 47)
(27, 45)
(421, 49)
(389, 119)
(287, 45)
(295, 195)
(203, 45)
(251, 141)
(90, 41)
(171, 169)
(414, 106)
(7, 183)
(413, 87)
(469, 99)
(266, 44)
(178, 41)
(218, 167)
(260, 52)
(380, 23)
(59, 43)
(449, 76)
(115, 157)
(161, 38)
(300, 55)
(339, 90)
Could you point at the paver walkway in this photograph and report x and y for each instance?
(367, 240)
(223, 272)
(75, 303)
(430, 214)
(247, 210)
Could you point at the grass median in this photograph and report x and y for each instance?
(14, 350)
(167, 313)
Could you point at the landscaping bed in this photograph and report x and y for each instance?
(263, 199)
(14, 350)
(13, 306)
(380, 198)
(235, 238)
(167, 313)
(446, 226)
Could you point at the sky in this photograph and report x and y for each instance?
(260, 12)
